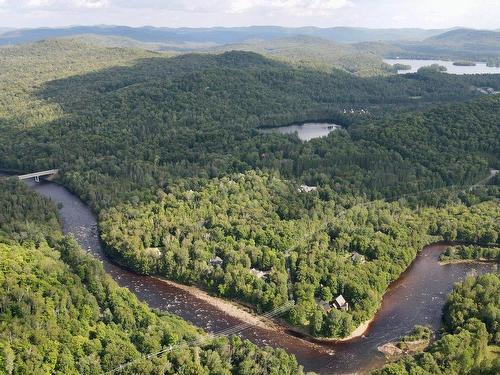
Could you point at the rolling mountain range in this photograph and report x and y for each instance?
(356, 50)
(468, 44)
(217, 35)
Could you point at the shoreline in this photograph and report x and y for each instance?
(358, 332)
(244, 313)
(231, 308)
(471, 261)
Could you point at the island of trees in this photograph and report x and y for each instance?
(398, 66)
(464, 63)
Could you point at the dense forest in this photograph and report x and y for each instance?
(122, 123)
(147, 140)
(311, 247)
(316, 53)
(61, 314)
(471, 334)
(25, 216)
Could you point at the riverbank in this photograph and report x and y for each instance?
(231, 308)
(297, 332)
(244, 313)
(467, 261)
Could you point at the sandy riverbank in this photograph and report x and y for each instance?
(243, 313)
(230, 308)
(358, 332)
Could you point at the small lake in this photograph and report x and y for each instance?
(307, 131)
(479, 68)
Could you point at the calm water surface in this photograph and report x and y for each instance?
(416, 298)
(307, 131)
(479, 68)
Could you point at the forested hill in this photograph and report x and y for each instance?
(122, 123)
(61, 314)
(315, 53)
(467, 44)
(466, 36)
(306, 242)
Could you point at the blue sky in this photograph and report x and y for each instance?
(198, 13)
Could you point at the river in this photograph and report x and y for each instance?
(415, 298)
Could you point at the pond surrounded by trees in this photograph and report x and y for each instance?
(415, 298)
(306, 131)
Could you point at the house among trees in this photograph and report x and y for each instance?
(216, 261)
(260, 274)
(357, 258)
(155, 252)
(340, 303)
(307, 189)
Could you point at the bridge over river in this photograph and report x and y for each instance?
(48, 174)
(36, 175)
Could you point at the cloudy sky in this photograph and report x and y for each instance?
(197, 13)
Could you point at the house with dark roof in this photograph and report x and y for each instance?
(326, 306)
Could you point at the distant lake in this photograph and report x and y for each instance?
(479, 68)
(307, 131)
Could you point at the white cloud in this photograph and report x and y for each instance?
(296, 7)
(38, 3)
(53, 4)
(93, 4)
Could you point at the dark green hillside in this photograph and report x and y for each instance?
(467, 36)
(25, 216)
(122, 132)
(315, 53)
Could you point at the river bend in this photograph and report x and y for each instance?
(416, 297)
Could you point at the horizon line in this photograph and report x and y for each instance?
(245, 27)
